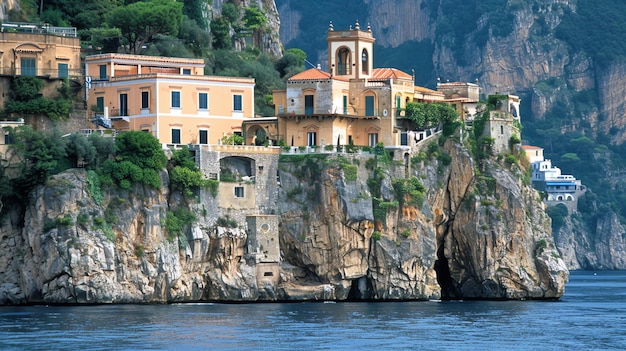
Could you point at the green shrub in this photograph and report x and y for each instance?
(93, 187)
(541, 245)
(176, 221)
(82, 219)
(226, 222)
(376, 235)
(109, 233)
(65, 221)
(405, 233)
(139, 251)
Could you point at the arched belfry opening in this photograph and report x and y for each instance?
(344, 62)
(365, 62)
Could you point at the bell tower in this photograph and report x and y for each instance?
(350, 52)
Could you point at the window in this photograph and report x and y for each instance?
(308, 104)
(404, 138)
(501, 129)
(103, 71)
(239, 191)
(175, 99)
(398, 106)
(100, 104)
(186, 71)
(203, 101)
(175, 136)
(63, 70)
(29, 66)
(369, 106)
(145, 99)
(345, 105)
(311, 138)
(237, 102)
(123, 104)
(8, 139)
(204, 136)
(373, 139)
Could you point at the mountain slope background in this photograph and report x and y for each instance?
(564, 58)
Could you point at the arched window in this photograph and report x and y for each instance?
(344, 63)
(365, 62)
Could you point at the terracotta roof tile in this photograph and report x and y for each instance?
(387, 73)
(311, 74)
(530, 147)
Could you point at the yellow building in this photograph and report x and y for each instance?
(168, 97)
(352, 103)
(52, 53)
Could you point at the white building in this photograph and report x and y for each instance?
(548, 178)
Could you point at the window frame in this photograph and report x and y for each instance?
(203, 99)
(238, 102)
(175, 135)
(175, 97)
(239, 192)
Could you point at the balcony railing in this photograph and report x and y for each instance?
(21, 27)
(340, 111)
(74, 74)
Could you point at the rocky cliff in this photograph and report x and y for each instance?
(356, 226)
(266, 39)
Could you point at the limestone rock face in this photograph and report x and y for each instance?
(327, 228)
(603, 249)
(266, 39)
(346, 230)
(497, 244)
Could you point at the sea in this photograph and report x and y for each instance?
(590, 316)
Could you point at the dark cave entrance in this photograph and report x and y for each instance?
(361, 289)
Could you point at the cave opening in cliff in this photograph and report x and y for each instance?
(361, 289)
(443, 275)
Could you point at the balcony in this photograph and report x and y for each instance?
(22, 27)
(337, 111)
(49, 73)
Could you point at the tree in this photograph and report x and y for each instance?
(37, 154)
(24, 98)
(220, 31)
(428, 115)
(80, 149)
(140, 148)
(138, 159)
(292, 62)
(139, 22)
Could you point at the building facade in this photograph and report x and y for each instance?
(43, 51)
(168, 97)
(559, 188)
(352, 102)
(464, 97)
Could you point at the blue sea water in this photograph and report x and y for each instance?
(590, 316)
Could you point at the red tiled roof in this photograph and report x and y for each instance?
(387, 73)
(530, 147)
(311, 74)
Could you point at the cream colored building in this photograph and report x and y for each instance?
(464, 97)
(51, 53)
(352, 102)
(168, 97)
